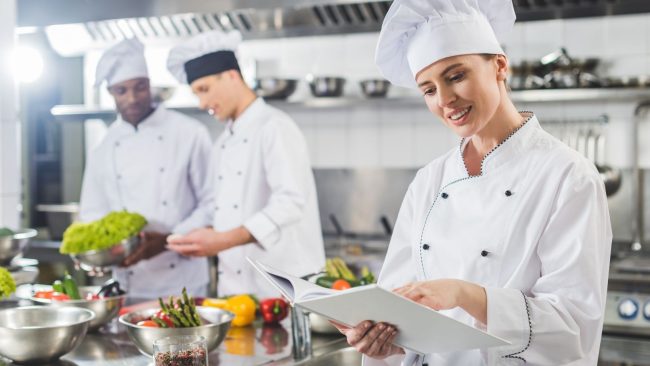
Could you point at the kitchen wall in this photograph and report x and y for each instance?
(393, 135)
(9, 124)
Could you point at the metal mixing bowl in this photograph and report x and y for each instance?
(12, 245)
(101, 260)
(320, 324)
(326, 86)
(41, 333)
(105, 309)
(273, 88)
(374, 88)
(218, 323)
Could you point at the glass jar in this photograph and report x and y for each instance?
(185, 350)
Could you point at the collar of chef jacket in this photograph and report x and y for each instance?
(247, 119)
(151, 121)
(514, 144)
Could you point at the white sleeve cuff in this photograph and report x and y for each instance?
(508, 316)
(263, 229)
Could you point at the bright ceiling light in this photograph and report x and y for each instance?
(27, 64)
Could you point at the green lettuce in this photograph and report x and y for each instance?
(7, 283)
(6, 232)
(101, 234)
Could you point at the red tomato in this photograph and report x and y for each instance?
(341, 284)
(148, 323)
(57, 296)
(164, 317)
(43, 294)
(91, 296)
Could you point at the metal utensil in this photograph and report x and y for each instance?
(326, 86)
(105, 309)
(102, 260)
(41, 333)
(274, 88)
(214, 331)
(12, 245)
(374, 88)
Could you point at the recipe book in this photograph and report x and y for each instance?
(420, 329)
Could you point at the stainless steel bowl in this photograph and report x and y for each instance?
(41, 333)
(326, 86)
(273, 88)
(214, 331)
(105, 309)
(102, 260)
(24, 275)
(374, 88)
(12, 245)
(320, 324)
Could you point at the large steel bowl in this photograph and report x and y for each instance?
(41, 333)
(374, 88)
(320, 324)
(216, 324)
(274, 88)
(326, 86)
(12, 245)
(102, 260)
(105, 309)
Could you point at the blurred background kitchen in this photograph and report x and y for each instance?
(583, 66)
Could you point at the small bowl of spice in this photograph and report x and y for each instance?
(186, 350)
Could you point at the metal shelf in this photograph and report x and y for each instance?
(81, 112)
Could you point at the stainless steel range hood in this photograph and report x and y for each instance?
(95, 23)
(96, 27)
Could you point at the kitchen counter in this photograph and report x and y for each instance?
(253, 345)
(259, 345)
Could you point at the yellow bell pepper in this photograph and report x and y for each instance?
(216, 303)
(240, 341)
(243, 306)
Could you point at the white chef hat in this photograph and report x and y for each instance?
(205, 54)
(417, 33)
(124, 61)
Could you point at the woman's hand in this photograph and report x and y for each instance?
(373, 340)
(447, 294)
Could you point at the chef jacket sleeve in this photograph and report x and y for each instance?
(200, 182)
(560, 319)
(93, 203)
(287, 169)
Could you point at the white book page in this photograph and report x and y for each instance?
(293, 288)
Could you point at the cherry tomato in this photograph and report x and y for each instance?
(57, 296)
(148, 323)
(91, 296)
(341, 284)
(43, 294)
(164, 317)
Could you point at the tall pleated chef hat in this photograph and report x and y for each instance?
(206, 54)
(124, 61)
(417, 33)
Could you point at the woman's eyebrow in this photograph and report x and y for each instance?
(449, 68)
(442, 74)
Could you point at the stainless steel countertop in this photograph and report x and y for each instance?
(252, 345)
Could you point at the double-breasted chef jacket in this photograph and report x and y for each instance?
(158, 170)
(263, 181)
(533, 228)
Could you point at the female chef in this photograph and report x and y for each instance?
(509, 231)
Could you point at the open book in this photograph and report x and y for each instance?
(420, 329)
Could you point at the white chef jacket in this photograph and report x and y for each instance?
(263, 181)
(533, 229)
(158, 170)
